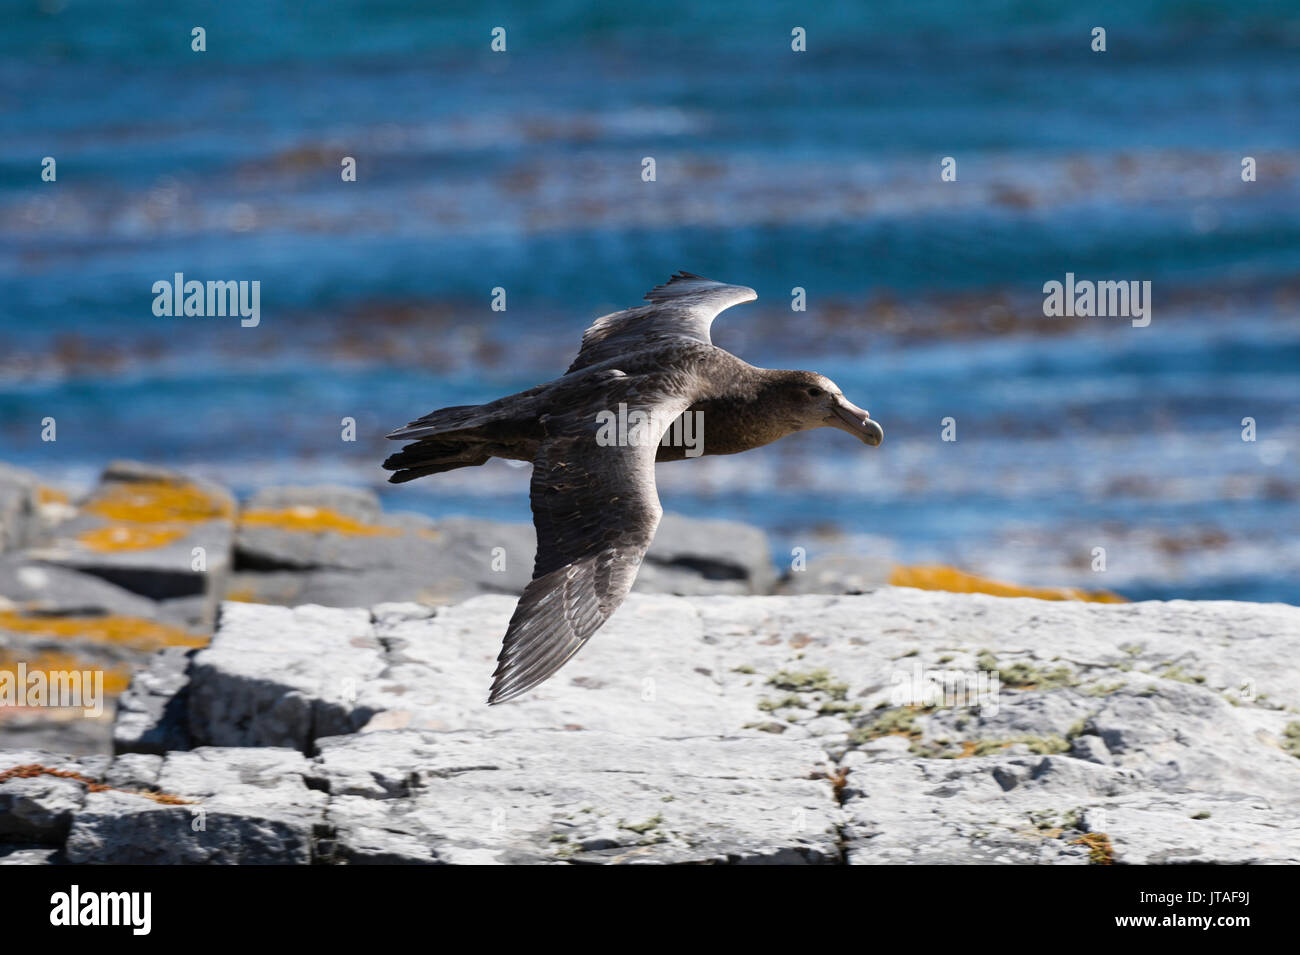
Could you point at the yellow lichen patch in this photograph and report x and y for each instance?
(135, 633)
(1100, 851)
(315, 520)
(116, 677)
(243, 595)
(158, 502)
(939, 577)
(117, 537)
(50, 495)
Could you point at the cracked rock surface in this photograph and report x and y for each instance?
(806, 729)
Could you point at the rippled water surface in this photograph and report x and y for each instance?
(820, 170)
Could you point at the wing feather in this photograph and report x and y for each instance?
(596, 510)
(684, 307)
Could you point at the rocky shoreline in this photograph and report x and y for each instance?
(724, 714)
(700, 729)
(142, 562)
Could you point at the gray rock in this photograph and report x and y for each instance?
(397, 557)
(373, 557)
(134, 771)
(19, 508)
(164, 572)
(144, 542)
(1179, 736)
(279, 677)
(885, 746)
(353, 588)
(56, 731)
(28, 855)
(246, 806)
(1164, 829)
(485, 557)
(51, 590)
(338, 545)
(837, 574)
(1090, 748)
(357, 503)
(546, 796)
(282, 677)
(1092, 718)
(152, 715)
(692, 557)
(38, 809)
(196, 613)
(721, 729)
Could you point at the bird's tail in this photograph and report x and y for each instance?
(444, 422)
(433, 456)
(444, 440)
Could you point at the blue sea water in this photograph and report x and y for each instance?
(775, 169)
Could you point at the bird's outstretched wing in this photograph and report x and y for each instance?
(596, 511)
(683, 307)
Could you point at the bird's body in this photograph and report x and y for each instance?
(594, 500)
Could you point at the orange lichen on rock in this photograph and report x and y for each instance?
(158, 502)
(1100, 851)
(32, 770)
(117, 537)
(149, 514)
(50, 495)
(135, 633)
(939, 577)
(116, 678)
(315, 520)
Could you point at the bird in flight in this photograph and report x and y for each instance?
(594, 501)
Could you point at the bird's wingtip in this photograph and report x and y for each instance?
(497, 696)
(679, 276)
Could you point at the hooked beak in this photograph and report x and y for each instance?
(849, 417)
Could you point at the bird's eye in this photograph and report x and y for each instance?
(814, 392)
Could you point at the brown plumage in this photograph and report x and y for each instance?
(594, 502)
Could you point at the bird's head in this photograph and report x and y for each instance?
(804, 400)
